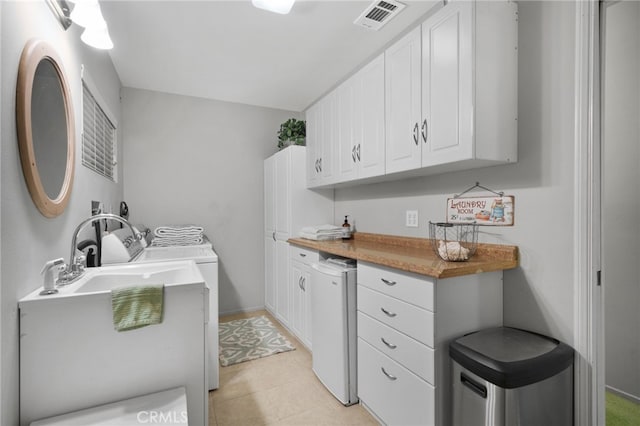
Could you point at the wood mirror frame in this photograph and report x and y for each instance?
(34, 52)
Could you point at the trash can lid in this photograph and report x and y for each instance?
(509, 357)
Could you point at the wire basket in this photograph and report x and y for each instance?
(454, 242)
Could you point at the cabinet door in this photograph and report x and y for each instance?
(270, 273)
(306, 287)
(347, 125)
(447, 82)
(327, 136)
(297, 300)
(311, 116)
(370, 119)
(403, 103)
(282, 282)
(300, 304)
(282, 194)
(269, 194)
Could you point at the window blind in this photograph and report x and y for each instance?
(98, 137)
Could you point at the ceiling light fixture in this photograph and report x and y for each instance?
(97, 36)
(87, 14)
(278, 6)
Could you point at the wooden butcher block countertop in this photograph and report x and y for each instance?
(415, 254)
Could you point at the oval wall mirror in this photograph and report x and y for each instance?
(46, 129)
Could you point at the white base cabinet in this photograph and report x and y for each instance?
(300, 284)
(405, 322)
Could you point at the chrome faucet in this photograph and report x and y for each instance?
(74, 269)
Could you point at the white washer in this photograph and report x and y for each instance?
(205, 258)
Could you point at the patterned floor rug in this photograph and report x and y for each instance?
(250, 338)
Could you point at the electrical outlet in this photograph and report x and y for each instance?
(412, 218)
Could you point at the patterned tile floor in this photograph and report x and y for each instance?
(278, 390)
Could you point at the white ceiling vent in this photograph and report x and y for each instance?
(379, 13)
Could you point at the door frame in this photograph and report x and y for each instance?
(588, 294)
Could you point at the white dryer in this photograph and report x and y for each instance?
(116, 244)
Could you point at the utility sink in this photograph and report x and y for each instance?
(107, 278)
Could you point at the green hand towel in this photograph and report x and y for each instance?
(135, 307)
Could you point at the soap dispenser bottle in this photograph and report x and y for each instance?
(346, 229)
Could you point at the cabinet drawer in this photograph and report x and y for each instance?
(411, 288)
(396, 396)
(303, 255)
(408, 319)
(410, 353)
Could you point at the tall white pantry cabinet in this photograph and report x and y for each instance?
(289, 206)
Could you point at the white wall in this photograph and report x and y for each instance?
(192, 160)
(620, 196)
(28, 238)
(538, 295)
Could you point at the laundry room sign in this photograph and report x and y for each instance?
(493, 211)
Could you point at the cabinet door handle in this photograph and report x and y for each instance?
(353, 153)
(389, 345)
(302, 255)
(358, 152)
(273, 235)
(389, 376)
(387, 282)
(387, 313)
(425, 128)
(300, 283)
(415, 133)
(304, 284)
(316, 165)
(320, 164)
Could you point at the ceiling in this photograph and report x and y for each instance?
(231, 51)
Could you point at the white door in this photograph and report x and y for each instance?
(347, 161)
(269, 194)
(403, 103)
(282, 194)
(370, 120)
(283, 312)
(297, 299)
(311, 116)
(327, 138)
(270, 273)
(447, 85)
(306, 311)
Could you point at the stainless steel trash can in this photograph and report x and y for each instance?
(509, 377)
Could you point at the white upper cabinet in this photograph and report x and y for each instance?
(450, 100)
(370, 122)
(322, 133)
(347, 159)
(448, 86)
(311, 117)
(360, 115)
(403, 103)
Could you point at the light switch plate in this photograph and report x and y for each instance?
(412, 219)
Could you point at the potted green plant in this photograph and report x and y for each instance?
(292, 132)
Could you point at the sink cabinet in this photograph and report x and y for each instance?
(405, 322)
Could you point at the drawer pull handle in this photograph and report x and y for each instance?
(302, 255)
(387, 282)
(391, 377)
(389, 345)
(387, 313)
